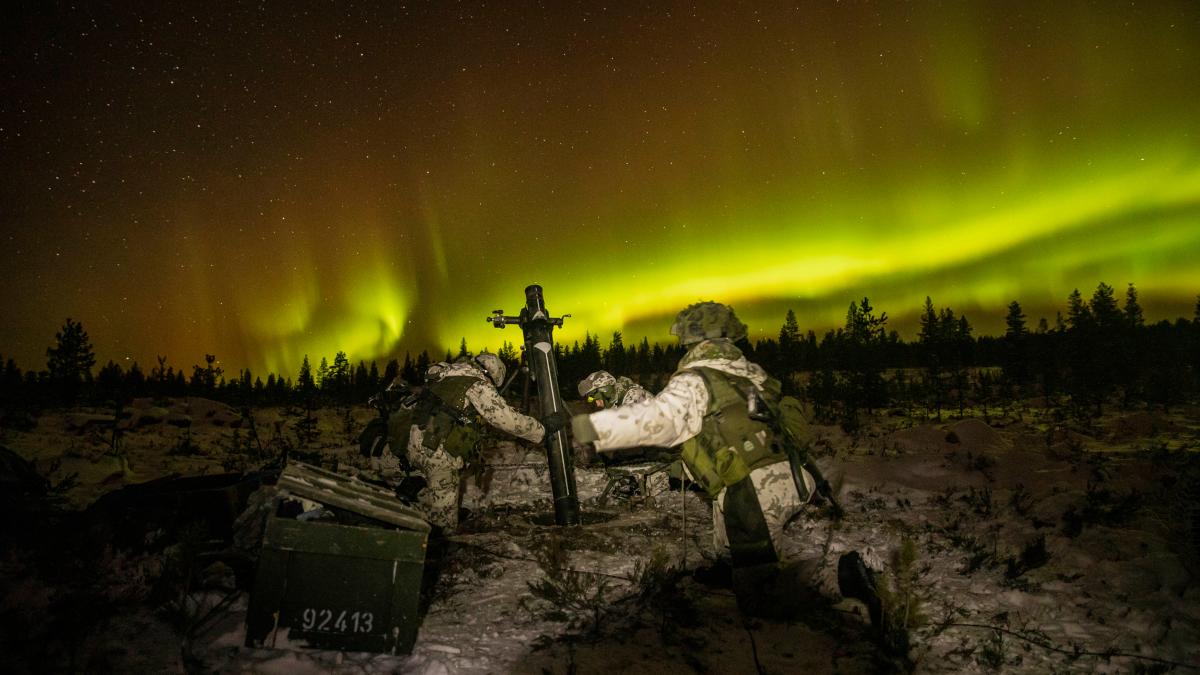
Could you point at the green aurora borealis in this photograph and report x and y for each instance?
(263, 184)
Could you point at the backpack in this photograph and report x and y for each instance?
(735, 436)
(441, 412)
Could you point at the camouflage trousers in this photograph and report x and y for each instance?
(749, 517)
(440, 498)
(387, 466)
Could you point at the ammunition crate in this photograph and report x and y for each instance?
(349, 582)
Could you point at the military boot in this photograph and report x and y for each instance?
(856, 580)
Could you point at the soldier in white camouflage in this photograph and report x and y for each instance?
(603, 390)
(466, 402)
(752, 485)
(716, 409)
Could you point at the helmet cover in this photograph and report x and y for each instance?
(598, 379)
(707, 320)
(493, 366)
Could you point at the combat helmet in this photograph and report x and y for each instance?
(707, 320)
(597, 380)
(493, 366)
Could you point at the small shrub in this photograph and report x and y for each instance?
(184, 447)
(991, 655)
(572, 596)
(979, 500)
(1032, 556)
(1020, 500)
(902, 606)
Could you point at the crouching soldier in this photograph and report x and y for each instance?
(449, 426)
(723, 411)
(602, 390)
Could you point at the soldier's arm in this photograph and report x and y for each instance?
(635, 395)
(668, 419)
(496, 411)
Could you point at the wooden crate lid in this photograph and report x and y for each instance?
(351, 494)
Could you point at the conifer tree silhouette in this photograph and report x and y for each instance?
(69, 362)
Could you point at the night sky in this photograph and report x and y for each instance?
(262, 181)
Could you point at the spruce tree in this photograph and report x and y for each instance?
(304, 381)
(408, 371)
(589, 354)
(1078, 314)
(373, 377)
(509, 355)
(109, 381)
(963, 344)
(392, 370)
(863, 344)
(1105, 314)
(322, 378)
(1133, 310)
(789, 333)
(339, 374)
(70, 360)
(642, 359)
(1130, 356)
(204, 379)
(615, 358)
(1015, 322)
(930, 339)
(790, 344)
(1016, 350)
(362, 381)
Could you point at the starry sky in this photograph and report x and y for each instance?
(266, 180)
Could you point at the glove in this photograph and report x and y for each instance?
(553, 422)
(582, 429)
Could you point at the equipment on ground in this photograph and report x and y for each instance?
(340, 568)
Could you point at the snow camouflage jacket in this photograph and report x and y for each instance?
(677, 413)
(463, 386)
(629, 392)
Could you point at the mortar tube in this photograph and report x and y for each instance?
(539, 350)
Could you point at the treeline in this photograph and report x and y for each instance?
(1100, 351)
(68, 379)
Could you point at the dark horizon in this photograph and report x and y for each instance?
(763, 341)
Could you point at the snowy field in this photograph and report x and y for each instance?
(1028, 547)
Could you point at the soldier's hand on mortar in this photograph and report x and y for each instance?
(554, 421)
(582, 429)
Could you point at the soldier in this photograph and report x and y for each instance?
(602, 390)
(447, 432)
(605, 391)
(722, 411)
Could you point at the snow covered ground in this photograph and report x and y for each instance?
(1034, 547)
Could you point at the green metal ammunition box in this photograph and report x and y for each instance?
(350, 582)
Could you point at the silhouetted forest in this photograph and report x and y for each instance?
(1100, 353)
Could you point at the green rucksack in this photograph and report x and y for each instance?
(732, 441)
(446, 419)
